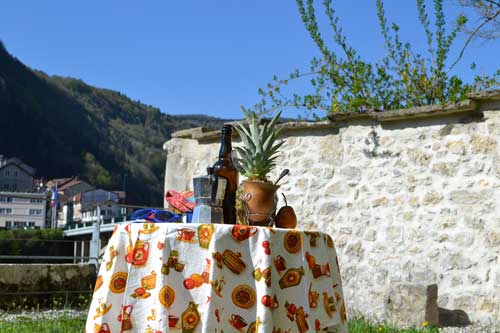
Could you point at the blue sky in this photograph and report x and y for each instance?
(192, 57)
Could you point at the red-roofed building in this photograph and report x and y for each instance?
(69, 187)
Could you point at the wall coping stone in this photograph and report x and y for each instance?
(470, 105)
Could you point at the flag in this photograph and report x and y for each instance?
(55, 196)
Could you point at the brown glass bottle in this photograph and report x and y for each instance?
(225, 168)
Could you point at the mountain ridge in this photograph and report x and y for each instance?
(65, 127)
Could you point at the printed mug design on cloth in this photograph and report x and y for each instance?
(237, 322)
(173, 322)
(241, 232)
(186, 235)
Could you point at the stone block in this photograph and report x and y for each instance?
(445, 169)
(456, 147)
(394, 234)
(383, 201)
(466, 197)
(351, 173)
(408, 216)
(487, 304)
(432, 197)
(411, 304)
(497, 278)
(330, 208)
(473, 169)
(464, 239)
(355, 250)
(301, 184)
(419, 157)
(371, 236)
(330, 149)
(474, 222)
(483, 144)
(493, 239)
(414, 202)
(306, 163)
(337, 188)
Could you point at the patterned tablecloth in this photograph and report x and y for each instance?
(159, 278)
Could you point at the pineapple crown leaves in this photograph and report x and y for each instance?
(257, 156)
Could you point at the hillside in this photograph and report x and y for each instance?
(64, 127)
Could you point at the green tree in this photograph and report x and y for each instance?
(95, 172)
(343, 81)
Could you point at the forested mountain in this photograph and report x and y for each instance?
(64, 127)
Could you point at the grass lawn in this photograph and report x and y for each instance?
(66, 324)
(363, 326)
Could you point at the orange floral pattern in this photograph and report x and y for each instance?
(188, 278)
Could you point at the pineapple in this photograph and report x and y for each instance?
(256, 198)
(260, 148)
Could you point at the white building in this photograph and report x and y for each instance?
(19, 210)
(20, 207)
(109, 210)
(82, 207)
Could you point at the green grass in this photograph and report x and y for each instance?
(62, 324)
(67, 324)
(360, 325)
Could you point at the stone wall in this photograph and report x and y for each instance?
(410, 197)
(44, 285)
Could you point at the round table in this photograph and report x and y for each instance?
(159, 278)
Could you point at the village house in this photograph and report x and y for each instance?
(20, 206)
(83, 207)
